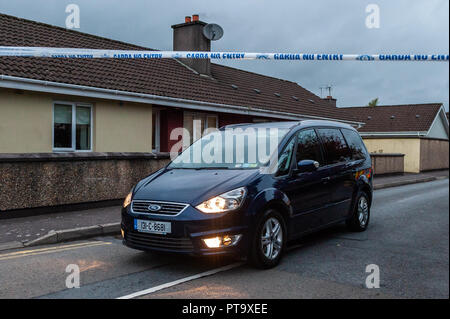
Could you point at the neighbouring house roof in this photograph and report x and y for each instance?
(409, 118)
(166, 78)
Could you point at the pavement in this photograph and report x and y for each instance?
(407, 239)
(380, 182)
(19, 232)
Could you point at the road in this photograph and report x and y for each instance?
(408, 239)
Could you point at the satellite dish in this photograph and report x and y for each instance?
(213, 31)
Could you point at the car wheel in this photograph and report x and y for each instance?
(361, 213)
(269, 240)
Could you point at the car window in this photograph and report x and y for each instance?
(336, 148)
(231, 148)
(308, 146)
(355, 144)
(284, 160)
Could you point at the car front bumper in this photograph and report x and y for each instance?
(187, 232)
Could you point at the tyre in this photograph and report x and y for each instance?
(361, 213)
(269, 240)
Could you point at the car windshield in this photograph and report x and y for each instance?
(231, 148)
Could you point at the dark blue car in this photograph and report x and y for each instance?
(217, 197)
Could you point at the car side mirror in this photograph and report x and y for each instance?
(307, 166)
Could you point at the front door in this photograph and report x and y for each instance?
(309, 192)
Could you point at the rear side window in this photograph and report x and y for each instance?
(336, 148)
(308, 146)
(355, 144)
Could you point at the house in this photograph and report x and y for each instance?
(114, 105)
(420, 131)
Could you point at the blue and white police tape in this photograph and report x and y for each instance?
(78, 53)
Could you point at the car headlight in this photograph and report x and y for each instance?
(228, 201)
(127, 200)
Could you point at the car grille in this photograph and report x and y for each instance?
(167, 208)
(157, 241)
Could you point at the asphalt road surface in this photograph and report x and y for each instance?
(408, 239)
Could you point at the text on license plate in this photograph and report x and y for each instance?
(154, 227)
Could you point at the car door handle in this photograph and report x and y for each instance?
(326, 179)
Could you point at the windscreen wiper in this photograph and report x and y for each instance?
(212, 167)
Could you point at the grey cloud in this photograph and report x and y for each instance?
(306, 26)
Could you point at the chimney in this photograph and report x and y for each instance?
(331, 101)
(188, 36)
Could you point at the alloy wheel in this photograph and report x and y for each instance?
(363, 211)
(272, 238)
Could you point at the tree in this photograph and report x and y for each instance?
(373, 103)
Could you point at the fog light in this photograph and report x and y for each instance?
(212, 242)
(122, 233)
(222, 241)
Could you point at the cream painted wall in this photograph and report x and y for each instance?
(26, 123)
(408, 146)
(122, 128)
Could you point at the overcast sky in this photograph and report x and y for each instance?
(319, 26)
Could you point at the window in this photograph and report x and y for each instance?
(308, 146)
(284, 161)
(335, 146)
(211, 121)
(355, 144)
(62, 132)
(196, 124)
(235, 150)
(72, 128)
(83, 128)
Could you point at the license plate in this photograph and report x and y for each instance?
(153, 227)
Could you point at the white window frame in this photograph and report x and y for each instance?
(157, 125)
(74, 126)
